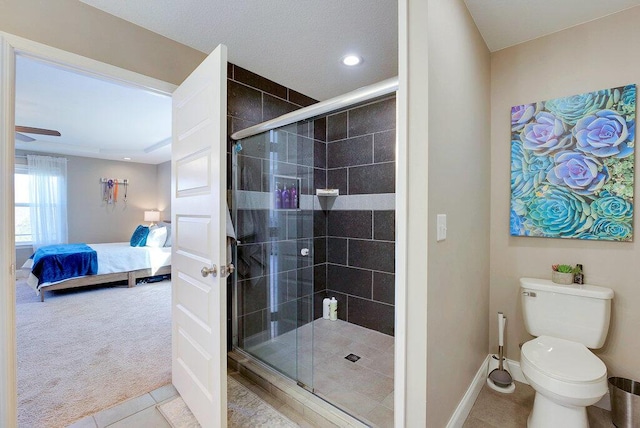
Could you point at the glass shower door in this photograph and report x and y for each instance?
(273, 214)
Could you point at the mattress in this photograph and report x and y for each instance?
(117, 257)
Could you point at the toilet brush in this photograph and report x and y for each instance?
(500, 377)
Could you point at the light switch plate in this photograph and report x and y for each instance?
(441, 233)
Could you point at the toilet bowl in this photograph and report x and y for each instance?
(568, 321)
(566, 376)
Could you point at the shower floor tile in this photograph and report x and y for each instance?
(363, 388)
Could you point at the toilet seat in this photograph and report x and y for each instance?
(563, 360)
(563, 370)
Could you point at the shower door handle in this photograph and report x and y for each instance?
(205, 271)
(227, 270)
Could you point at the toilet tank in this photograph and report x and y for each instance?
(579, 313)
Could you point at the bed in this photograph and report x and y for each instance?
(113, 262)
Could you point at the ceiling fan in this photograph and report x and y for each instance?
(21, 130)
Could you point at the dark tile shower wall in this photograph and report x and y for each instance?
(355, 249)
(253, 99)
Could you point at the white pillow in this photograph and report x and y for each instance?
(157, 237)
(167, 243)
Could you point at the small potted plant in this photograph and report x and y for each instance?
(562, 274)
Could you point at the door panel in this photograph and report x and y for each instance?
(199, 241)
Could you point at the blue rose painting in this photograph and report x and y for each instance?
(572, 166)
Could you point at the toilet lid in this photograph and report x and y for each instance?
(563, 360)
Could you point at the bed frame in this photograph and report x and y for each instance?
(83, 281)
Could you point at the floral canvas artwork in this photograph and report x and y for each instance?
(572, 166)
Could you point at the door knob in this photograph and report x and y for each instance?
(205, 271)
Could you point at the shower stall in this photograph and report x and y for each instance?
(313, 203)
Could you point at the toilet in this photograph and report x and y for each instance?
(566, 375)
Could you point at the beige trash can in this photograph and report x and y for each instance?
(625, 402)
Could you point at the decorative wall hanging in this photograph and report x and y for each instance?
(572, 166)
(110, 189)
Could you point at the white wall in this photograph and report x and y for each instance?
(597, 55)
(459, 159)
(164, 190)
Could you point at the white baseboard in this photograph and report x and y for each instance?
(465, 405)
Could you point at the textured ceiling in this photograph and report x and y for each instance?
(505, 23)
(295, 43)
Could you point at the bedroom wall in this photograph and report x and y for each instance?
(584, 58)
(90, 219)
(163, 183)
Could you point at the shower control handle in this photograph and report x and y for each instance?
(205, 271)
(304, 252)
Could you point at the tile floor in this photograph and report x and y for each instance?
(245, 409)
(143, 411)
(496, 410)
(363, 388)
(137, 412)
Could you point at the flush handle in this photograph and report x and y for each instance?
(529, 293)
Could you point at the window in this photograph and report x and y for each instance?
(23, 207)
(41, 201)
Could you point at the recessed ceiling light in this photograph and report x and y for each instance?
(126, 158)
(351, 60)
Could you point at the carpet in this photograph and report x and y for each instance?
(244, 410)
(84, 350)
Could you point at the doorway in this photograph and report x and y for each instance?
(11, 48)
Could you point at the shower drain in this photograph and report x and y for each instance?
(352, 357)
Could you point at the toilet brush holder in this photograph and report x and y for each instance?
(494, 363)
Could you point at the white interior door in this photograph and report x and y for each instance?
(198, 180)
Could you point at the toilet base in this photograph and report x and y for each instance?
(549, 414)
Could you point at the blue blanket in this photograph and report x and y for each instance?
(53, 263)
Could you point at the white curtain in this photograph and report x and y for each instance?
(48, 196)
